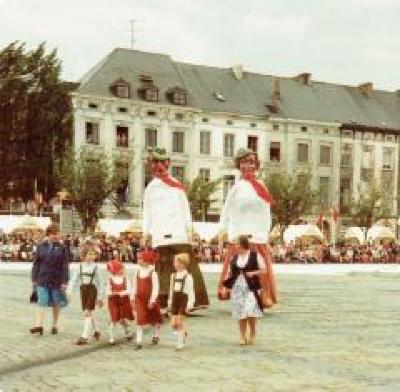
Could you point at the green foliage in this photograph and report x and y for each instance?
(199, 194)
(369, 207)
(293, 194)
(35, 120)
(89, 179)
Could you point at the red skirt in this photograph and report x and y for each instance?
(146, 316)
(119, 308)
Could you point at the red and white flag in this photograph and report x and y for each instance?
(335, 214)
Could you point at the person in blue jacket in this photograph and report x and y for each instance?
(50, 275)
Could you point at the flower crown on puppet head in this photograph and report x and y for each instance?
(148, 256)
(158, 154)
(115, 267)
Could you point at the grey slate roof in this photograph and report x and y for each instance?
(319, 101)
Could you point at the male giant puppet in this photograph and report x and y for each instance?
(167, 222)
(247, 212)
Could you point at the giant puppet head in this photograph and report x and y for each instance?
(247, 162)
(158, 161)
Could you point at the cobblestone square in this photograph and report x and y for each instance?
(329, 332)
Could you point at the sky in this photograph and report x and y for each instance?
(340, 41)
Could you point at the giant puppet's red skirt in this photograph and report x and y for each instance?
(267, 280)
(120, 308)
(144, 315)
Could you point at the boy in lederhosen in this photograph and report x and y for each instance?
(90, 291)
(181, 297)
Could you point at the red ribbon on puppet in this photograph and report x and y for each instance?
(172, 182)
(260, 189)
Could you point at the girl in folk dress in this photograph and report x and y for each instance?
(119, 304)
(91, 293)
(181, 297)
(244, 282)
(144, 295)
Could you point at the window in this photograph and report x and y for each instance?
(229, 181)
(304, 129)
(252, 142)
(302, 152)
(229, 122)
(92, 105)
(346, 156)
(324, 185)
(205, 174)
(204, 120)
(151, 137)
(325, 155)
(178, 172)
(178, 141)
(275, 127)
(229, 145)
(326, 131)
(122, 110)
(253, 125)
(92, 133)
(151, 113)
(387, 158)
(122, 192)
(122, 136)
(122, 90)
(205, 142)
(367, 158)
(345, 194)
(179, 98)
(179, 116)
(151, 94)
(275, 151)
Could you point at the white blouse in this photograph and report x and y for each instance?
(243, 259)
(188, 288)
(87, 268)
(118, 279)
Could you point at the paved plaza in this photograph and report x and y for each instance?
(330, 332)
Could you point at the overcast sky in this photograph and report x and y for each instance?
(344, 41)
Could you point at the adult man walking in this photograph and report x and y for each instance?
(50, 275)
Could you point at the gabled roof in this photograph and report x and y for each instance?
(318, 101)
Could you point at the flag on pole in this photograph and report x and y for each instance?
(335, 214)
(320, 219)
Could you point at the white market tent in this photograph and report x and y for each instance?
(11, 223)
(377, 233)
(114, 227)
(294, 232)
(206, 230)
(355, 233)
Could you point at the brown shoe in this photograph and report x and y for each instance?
(81, 341)
(36, 330)
(54, 331)
(96, 336)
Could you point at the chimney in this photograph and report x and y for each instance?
(276, 89)
(237, 71)
(304, 78)
(366, 89)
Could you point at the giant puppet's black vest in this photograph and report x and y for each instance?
(251, 265)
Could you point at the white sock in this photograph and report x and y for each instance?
(157, 330)
(87, 326)
(95, 325)
(139, 335)
(180, 340)
(111, 331)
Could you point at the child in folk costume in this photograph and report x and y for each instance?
(91, 293)
(181, 297)
(119, 305)
(144, 297)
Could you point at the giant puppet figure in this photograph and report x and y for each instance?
(247, 211)
(167, 223)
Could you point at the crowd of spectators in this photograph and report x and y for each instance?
(21, 247)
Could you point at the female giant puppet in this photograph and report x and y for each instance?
(167, 223)
(247, 212)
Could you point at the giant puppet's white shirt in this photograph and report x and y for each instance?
(166, 214)
(245, 213)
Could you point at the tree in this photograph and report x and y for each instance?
(199, 194)
(89, 179)
(370, 206)
(35, 119)
(294, 196)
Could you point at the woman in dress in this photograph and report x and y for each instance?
(246, 269)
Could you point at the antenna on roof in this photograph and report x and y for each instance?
(132, 30)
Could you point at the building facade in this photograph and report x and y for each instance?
(348, 135)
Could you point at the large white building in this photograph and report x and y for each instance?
(132, 100)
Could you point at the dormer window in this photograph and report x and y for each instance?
(148, 91)
(177, 96)
(120, 88)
